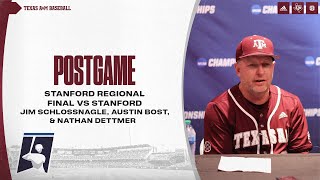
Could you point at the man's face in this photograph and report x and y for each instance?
(255, 73)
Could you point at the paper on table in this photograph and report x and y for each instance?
(245, 164)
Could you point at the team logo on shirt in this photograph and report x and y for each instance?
(35, 152)
(207, 146)
(252, 138)
(283, 115)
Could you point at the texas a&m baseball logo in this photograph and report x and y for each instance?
(259, 44)
(35, 152)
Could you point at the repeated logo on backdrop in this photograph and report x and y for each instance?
(283, 7)
(206, 9)
(265, 9)
(312, 8)
(286, 8)
(298, 8)
(215, 62)
(310, 61)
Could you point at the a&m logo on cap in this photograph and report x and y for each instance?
(259, 44)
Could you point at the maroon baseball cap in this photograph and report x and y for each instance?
(255, 46)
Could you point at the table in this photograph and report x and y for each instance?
(301, 166)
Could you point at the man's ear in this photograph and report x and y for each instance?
(237, 68)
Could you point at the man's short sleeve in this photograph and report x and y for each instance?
(218, 135)
(299, 138)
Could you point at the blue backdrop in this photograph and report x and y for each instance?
(217, 29)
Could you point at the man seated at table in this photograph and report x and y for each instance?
(254, 116)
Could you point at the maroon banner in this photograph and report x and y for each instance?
(6, 7)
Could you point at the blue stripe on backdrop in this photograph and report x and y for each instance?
(217, 29)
